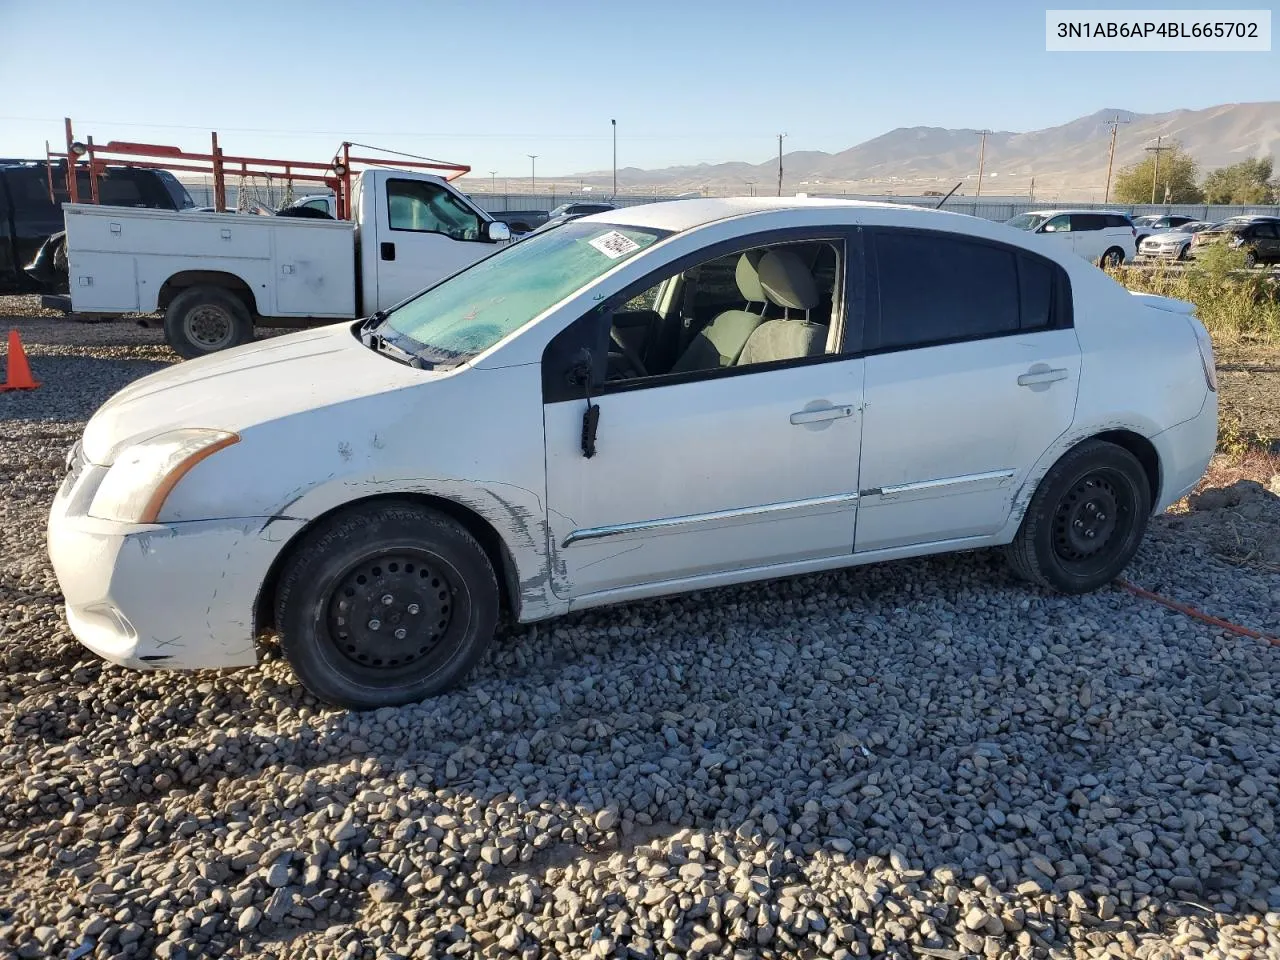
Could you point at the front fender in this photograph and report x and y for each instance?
(47, 268)
(516, 514)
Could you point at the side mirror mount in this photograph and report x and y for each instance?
(497, 231)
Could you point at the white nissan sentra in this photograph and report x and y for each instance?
(655, 399)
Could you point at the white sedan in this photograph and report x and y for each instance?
(656, 399)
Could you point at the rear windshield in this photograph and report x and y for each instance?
(474, 309)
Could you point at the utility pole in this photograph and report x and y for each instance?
(1032, 192)
(982, 157)
(615, 157)
(780, 136)
(493, 181)
(751, 188)
(533, 172)
(1114, 123)
(1155, 171)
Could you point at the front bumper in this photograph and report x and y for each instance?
(150, 596)
(1160, 253)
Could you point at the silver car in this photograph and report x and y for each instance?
(1173, 244)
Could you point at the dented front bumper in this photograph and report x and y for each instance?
(173, 596)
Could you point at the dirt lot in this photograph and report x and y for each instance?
(915, 759)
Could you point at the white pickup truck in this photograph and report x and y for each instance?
(215, 274)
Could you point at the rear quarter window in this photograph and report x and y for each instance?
(935, 288)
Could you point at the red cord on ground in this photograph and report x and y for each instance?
(1193, 612)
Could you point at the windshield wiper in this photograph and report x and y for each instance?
(381, 344)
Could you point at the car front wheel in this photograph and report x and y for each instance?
(384, 604)
(1085, 521)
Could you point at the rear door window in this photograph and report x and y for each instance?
(1087, 221)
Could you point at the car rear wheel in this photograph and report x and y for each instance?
(385, 604)
(204, 320)
(1113, 258)
(1085, 521)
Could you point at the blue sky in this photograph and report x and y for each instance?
(487, 83)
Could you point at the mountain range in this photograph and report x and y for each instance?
(1068, 161)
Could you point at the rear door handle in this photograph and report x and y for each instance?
(1043, 376)
(822, 413)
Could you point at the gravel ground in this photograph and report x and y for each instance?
(917, 759)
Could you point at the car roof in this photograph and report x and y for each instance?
(1060, 210)
(680, 215)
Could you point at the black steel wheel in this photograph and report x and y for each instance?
(385, 603)
(1085, 521)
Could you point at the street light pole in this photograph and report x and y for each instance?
(493, 181)
(533, 172)
(614, 123)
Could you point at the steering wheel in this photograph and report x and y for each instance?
(631, 356)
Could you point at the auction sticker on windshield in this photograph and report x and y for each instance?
(614, 245)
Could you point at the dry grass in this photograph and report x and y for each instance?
(1234, 304)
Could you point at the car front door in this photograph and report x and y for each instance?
(972, 373)
(1058, 229)
(677, 476)
(425, 233)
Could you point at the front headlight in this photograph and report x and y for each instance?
(142, 476)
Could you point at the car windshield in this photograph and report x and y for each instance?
(1027, 221)
(474, 309)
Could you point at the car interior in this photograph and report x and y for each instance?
(761, 305)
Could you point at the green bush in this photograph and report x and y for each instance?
(1232, 302)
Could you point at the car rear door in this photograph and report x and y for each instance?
(1267, 243)
(1087, 235)
(972, 372)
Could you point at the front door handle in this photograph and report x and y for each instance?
(1043, 376)
(388, 250)
(822, 413)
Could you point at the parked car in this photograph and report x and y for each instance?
(1152, 224)
(571, 211)
(1105, 237)
(215, 275)
(321, 204)
(1172, 244)
(594, 415)
(1258, 237)
(520, 221)
(32, 248)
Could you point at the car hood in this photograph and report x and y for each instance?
(238, 388)
(1168, 235)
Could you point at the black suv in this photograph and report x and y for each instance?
(31, 226)
(1259, 237)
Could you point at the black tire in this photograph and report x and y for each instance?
(1096, 486)
(1113, 257)
(203, 320)
(1250, 259)
(338, 579)
(1182, 251)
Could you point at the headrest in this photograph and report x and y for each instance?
(748, 278)
(787, 282)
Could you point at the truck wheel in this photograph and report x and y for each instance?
(204, 320)
(385, 603)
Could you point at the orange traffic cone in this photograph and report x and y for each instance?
(18, 376)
